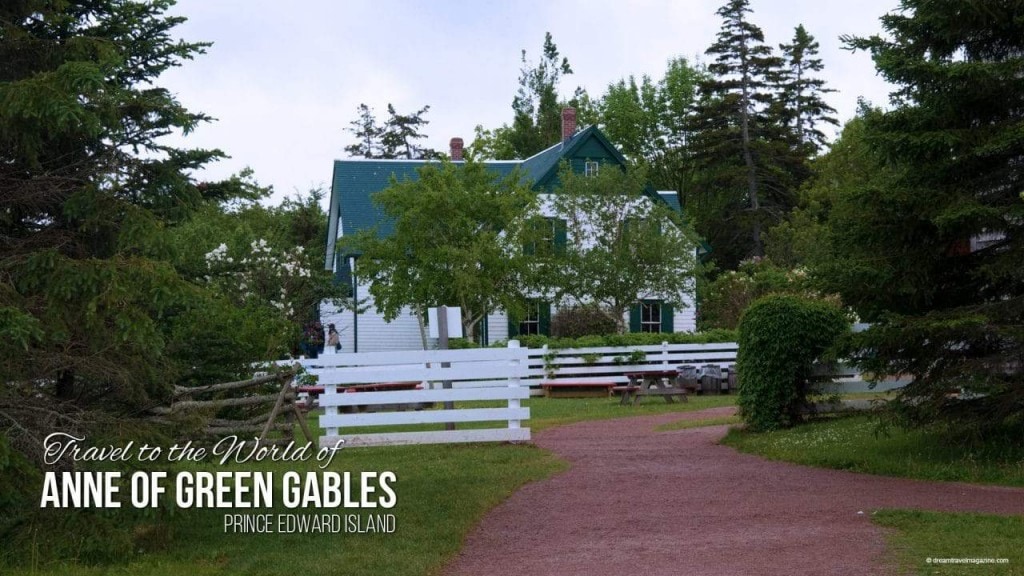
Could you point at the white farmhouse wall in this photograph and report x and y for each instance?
(402, 333)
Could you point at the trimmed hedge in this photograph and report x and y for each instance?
(632, 339)
(780, 337)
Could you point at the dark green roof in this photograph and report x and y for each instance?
(355, 180)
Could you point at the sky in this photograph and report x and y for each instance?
(284, 79)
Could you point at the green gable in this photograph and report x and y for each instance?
(355, 181)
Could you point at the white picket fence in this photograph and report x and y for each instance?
(479, 374)
(608, 364)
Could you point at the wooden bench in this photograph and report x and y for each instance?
(571, 389)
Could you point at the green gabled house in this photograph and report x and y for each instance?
(351, 209)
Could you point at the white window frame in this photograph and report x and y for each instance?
(591, 168)
(647, 324)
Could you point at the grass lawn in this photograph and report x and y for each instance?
(852, 443)
(915, 537)
(442, 492)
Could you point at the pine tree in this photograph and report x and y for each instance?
(400, 133)
(933, 256)
(396, 138)
(739, 151)
(368, 135)
(801, 93)
(537, 110)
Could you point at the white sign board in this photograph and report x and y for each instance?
(454, 322)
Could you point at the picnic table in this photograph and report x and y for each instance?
(652, 383)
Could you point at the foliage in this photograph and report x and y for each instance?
(631, 339)
(747, 160)
(396, 138)
(930, 249)
(536, 108)
(723, 300)
(102, 311)
(648, 121)
(457, 240)
(803, 107)
(780, 337)
(584, 320)
(624, 246)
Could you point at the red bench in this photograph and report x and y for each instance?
(571, 389)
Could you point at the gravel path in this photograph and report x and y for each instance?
(636, 501)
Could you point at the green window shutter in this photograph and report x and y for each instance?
(667, 320)
(561, 236)
(513, 327)
(545, 318)
(634, 318)
(343, 275)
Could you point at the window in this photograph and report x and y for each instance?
(652, 316)
(530, 325)
(590, 168)
(537, 320)
(550, 236)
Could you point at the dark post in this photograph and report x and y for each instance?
(442, 344)
(355, 308)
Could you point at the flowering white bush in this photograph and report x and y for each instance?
(261, 274)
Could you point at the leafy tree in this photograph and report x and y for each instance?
(801, 94)
(933, 254)
(457, 241)
(536, 107)
(746, 161)
(622, 245)
(649, 122)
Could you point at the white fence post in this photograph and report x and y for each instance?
(664, 352)
(514, 382)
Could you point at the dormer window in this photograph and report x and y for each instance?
(590, 168)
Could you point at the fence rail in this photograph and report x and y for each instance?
(482, 374)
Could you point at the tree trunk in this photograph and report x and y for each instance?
(748, 159)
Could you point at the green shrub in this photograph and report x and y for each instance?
(780, 337)
(584, 320)
(633, 339)
(723, 300)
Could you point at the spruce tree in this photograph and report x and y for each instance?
(738, 150)
(803, 106)
(368, 135)
(934, 256)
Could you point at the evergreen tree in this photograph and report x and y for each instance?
(804, 108)
(537, 110)
(537, 120)
(368, 135)
(934, 254)
(396, 138)
(742, 154)
(400, 134)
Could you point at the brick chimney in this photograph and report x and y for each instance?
(568, 123)
(456, 148)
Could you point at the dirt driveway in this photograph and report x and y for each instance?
(652, 503)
